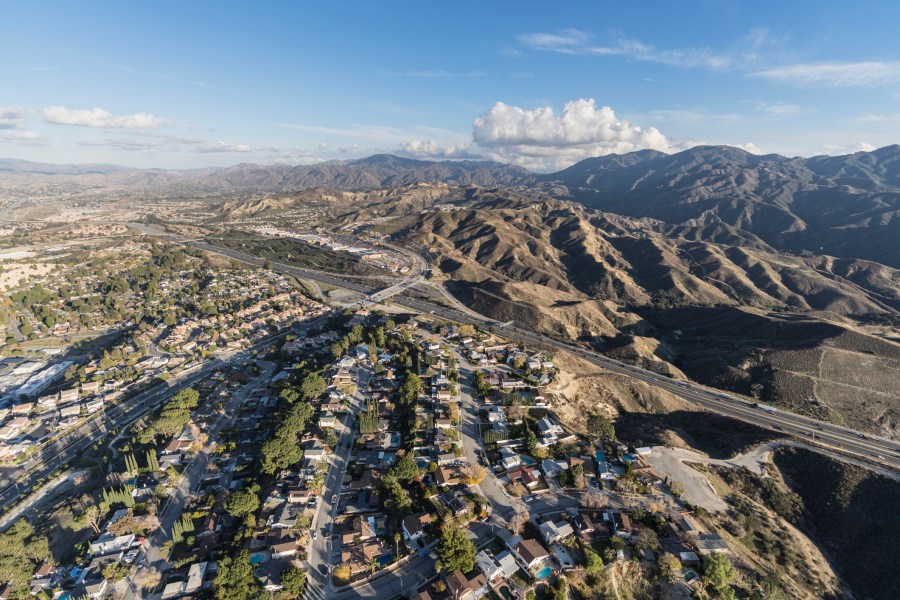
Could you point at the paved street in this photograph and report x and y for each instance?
(877, 450)
(192, 475)
(323, 549)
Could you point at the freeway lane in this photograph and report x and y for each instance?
(66, 448)
(62, 450)
(878, 450)
(884, 452)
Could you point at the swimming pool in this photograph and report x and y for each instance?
(259, 557)
(544, 573)
(527, 460)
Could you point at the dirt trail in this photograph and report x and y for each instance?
(671, 463)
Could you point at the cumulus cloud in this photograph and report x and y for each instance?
(97, 117)
(434, 149)
(749, 147)
(852, 148)
(858, 74)
(542, 139)
(11, 117)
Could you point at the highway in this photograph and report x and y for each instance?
(877, 450)
(60, 450)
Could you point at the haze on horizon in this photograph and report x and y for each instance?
(182, 86)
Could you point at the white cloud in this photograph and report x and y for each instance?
(11, 117)
(130, 145)
(541, 139)
(97, 117)
(858, 74)
(433, 149)
(575, 41)
(567, 41)
(218, 147)
(839, 149)
(749, 147)
(780, 109)
(22, 135)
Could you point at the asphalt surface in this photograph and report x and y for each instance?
(66, 447)
(190, 479)
(877, 450)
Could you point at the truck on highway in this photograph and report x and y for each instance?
(769, 409)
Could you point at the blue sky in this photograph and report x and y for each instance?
(190, 84)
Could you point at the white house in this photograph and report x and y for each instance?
(555, 532)
(108, 543)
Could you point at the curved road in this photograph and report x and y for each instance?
(877, 450)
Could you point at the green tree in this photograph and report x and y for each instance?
(294, 581)
(531, 440)
(21, 549)
(397, 499)
(235, 580)
(331, 438)
(242, 503)
(669, 567)
(456, 550)
(279, 452)
(312, 386)
(601, 427)
(188, 398)
(594, 564)
(405, 468)
(409, 390)
(717, 571)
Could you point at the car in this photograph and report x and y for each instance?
(323, 569)
(333, 498)
(861, 436)
(315, 534)
(880, 457)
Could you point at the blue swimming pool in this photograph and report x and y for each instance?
(527, 460)
(258, 557)
(543, 573)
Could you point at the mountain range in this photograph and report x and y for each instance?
(844, 206)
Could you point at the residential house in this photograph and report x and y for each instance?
(620, 524)
(555, 532)
(447, 476)
(298, 495)
(497, 567)
(414, 526)
(282, 543)
(108, 543)
(360, 556)
(70, 395)
(548, 431)
(529, 553)
(509, 458)
(196, 573)
(327, 419)
(461, 587)
(283, 517)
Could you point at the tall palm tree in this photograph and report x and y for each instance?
(397, 538)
